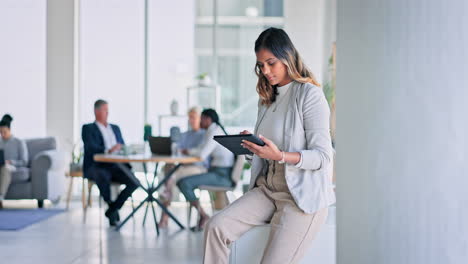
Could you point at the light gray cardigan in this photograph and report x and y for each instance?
(15, 150)
(306, 130)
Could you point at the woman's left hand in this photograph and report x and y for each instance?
(269, 151)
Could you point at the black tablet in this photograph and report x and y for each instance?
(233, 142)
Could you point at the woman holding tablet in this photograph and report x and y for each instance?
(291, 184)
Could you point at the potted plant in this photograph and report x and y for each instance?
(329, 91)
(76, 164)
(147, 132)
(204, 79)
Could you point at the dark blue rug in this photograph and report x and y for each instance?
(16, 219)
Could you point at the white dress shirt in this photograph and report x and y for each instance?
(108, 135)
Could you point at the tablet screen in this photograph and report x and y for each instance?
(232, 142)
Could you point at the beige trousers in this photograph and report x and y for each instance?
(169, 190)
(5, 179)
(292, 230)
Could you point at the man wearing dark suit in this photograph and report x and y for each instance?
(98, 138)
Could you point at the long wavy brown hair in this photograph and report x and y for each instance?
(278, 42)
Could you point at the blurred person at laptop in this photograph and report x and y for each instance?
(221, 162)
(189, 139)
(101, 137)
(15, 156)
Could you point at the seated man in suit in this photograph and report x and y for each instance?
(98, 138)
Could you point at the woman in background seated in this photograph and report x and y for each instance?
(15, 155)
(221, 162)
(190, 139)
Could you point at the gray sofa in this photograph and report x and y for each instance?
(44, 177)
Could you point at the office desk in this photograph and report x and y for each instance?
(120, 160)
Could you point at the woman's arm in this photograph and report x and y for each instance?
(318, 150)
(271, 152)
(22, 160)
(206, 147)
(316, 119)
(292, 157)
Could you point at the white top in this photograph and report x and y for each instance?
(272, 124)
(220, 156)
(108, 135)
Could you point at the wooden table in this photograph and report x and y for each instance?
(150, 189)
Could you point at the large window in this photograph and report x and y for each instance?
(114, 60)
(180, 46)
(238, 24)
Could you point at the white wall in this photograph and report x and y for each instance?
(171, 56)
(304, 23)
(62, 98)
(22, 65)
(402, 146)
(111, 66)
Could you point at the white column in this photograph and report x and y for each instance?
(304, 23)
(62, 95)
(402, 132)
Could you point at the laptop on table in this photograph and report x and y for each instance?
(160, 145)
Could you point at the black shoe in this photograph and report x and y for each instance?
(196, 229)
(117, 216)
(112, 216)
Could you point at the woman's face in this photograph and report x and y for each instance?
(274, 70)
(205, 122)
(5, 132)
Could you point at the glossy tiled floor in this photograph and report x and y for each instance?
(67, 239)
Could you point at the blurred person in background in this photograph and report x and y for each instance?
(189, 139)
(15, 156)
(100, 137)
(221, 161)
